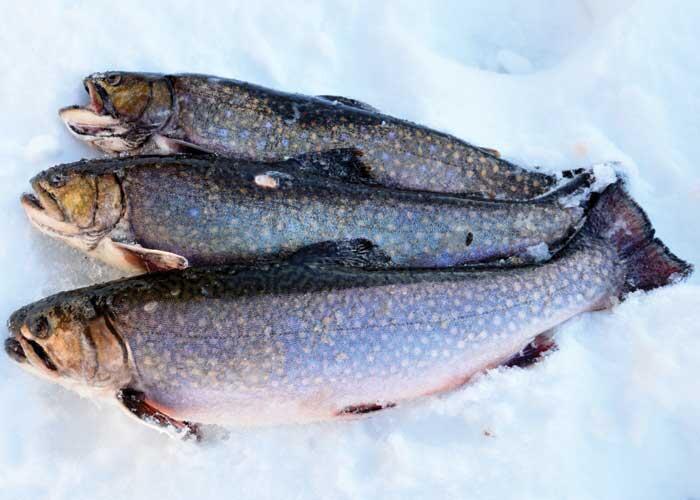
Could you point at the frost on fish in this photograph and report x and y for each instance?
(539, 252)
(312, 339)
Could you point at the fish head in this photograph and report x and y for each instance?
(124, 111)
(63, 339)
(75, 203)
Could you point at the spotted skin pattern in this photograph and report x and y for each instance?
(215, 214)
(239, 119)
(211, 211)
(308, 342)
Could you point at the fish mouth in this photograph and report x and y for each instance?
(44, 213)
(14, 350)
(96, 123)
(26, 351)
(97, 100)
(89, 123)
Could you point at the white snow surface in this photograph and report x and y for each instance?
(614, 413)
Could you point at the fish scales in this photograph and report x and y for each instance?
(216, 210)
(311, 339)
(232, 117)
(173, 208)
(132, 113)
(348, 337)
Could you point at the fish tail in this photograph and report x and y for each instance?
(618, 219)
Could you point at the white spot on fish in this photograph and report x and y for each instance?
(149, 307)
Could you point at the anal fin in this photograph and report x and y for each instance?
(533, 352)
(136, 404)
(363, 409)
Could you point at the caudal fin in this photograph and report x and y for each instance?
(618, 219)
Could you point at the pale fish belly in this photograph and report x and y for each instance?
(305, 357)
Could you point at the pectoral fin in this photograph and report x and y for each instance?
(147, 260)
(136, 404)
(353, 103)
(353, 253)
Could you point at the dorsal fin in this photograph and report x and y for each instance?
(352, 253)
(353, 103)
(344, 164)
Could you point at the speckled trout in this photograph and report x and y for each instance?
(157, 213)
(314, 339)
(135, 113)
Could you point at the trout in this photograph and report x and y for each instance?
(313, 338)
(137, 113)
(156, 213)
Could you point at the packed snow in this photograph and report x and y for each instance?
(613, 413)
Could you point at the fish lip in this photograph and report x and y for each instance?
(87, 124)
(47, 220)
(35, 353)
(39, 352)
(14, 349)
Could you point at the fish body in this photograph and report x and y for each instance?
(136, 113)
(203, 211)
(310, 340)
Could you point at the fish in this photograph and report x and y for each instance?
(152, 213)
(321, 337)
(140, 113)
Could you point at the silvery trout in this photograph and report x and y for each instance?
(156, 213)
(313, 339)
(136, 113)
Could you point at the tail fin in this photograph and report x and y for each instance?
(617, 218)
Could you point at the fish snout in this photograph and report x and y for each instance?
(14, 349)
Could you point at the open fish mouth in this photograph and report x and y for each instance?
(43, 212)
(96, 123)
(25, 350)
(89, 123)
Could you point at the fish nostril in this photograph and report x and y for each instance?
(14, 349)
(56, 180)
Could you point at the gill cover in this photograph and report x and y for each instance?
(69, 342)
(142, 99)
(81, 199)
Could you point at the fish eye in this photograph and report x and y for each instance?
(56, 180)
(39, 327)
(113, 79)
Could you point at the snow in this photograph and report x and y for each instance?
(614, 413)
(604, 174)
(539, 252)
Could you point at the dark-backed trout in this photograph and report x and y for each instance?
(319, 337)
(156, 213)
(137, 113)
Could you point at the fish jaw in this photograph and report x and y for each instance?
(96, 245)
(23, 349)
(91, 125)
